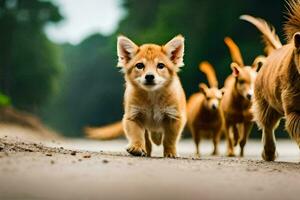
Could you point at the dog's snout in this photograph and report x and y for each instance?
(149, 77)
(214, 107)
(249, 96)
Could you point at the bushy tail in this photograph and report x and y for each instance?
(269, 36)
(292, 25)
(106, 132)
(210, 73)
(235, 52)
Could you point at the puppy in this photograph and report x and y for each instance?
(277, 88)
(205, 116)
(154, 100)
(236, 102)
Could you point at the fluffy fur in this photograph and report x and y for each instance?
(236, 102)
(154, 101)
(205, 116)
(277, 88)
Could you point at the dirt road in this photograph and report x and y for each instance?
(81, 169)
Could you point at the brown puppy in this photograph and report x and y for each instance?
(154, 101)
(236, 102)
(277, 88)
(205, 116)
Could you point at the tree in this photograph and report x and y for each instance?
(29, 62)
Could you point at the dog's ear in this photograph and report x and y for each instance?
(203, 88)
(126, 50)
(174, 49)
(258, 63)
(297, 40)
(235, 69)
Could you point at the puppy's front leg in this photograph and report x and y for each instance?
(135, 133)
(172, 132)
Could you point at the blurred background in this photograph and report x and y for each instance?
(58, 58)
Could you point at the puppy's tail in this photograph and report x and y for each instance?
(292, 25)
(108, 132)
(235, 52)
(210, 73)
(269, 36)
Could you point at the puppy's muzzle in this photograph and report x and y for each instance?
(149, 79)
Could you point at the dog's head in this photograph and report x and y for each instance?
(212, 96)
(245, 77)
(296, 39)
(150, 66)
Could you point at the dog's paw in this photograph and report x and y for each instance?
(170, 155)
(230, 154)
(269, 155)
(136, 150)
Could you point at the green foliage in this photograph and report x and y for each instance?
(4, 100)
(29, 62)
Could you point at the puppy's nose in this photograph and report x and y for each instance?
(149, 78)
(249, 96)
(214, 107)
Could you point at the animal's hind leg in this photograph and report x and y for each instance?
(148, 144)
(293, 125)
(267, 118)
(246, 129)
(236, 134)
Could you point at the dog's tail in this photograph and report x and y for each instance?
(269, 36)
(292, 25)
(235, 52)
(106, 132)
(210, 73)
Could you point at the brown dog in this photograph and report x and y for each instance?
(236, 102)
(277, 88)
(154, 100)
(205, 116)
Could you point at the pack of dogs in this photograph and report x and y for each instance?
(156, 110)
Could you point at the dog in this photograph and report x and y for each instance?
(205, 116)
(277, 87)
(237, 100)
(154, 100)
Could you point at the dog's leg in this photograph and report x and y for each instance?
(267, 119)
(172, 132)
(236, 134)
(216, 141)
(196, 138)
(135, 133)
(229, 137)
(293, 126)
(246, 129)
(148, 144)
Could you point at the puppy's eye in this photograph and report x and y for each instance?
(208, 98)
(140, 66)
(241, 81)
(160, 65)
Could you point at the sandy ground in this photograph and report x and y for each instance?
(83, 169)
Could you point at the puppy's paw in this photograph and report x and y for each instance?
(230, 154)
(215, 153)
(136, 150)
(269, 155)
(170, 155)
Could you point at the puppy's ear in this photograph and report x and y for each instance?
(235, 69)
(203, 88)
(258, 63)
(174, 49)
(297, 40)
(126, 50)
